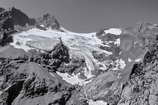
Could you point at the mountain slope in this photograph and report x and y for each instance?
(46, 64)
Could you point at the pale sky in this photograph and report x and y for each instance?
(90, 15)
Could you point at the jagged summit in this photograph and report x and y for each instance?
(48, 21)
(20, 18)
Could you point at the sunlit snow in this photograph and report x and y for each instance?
(117, 42)
(114, 31)
(81, 43)
(72, 79)
(91, 102)
(120, 64)
(138, 60)
(129, 60)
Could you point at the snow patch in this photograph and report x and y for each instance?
(138, 60)
(129, 60)
(99, 102)
(117, 42)
(72, 79)
(102, 66)
(114, 31)
(120, 64)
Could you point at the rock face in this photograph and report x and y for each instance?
(142, 83)
(6, 27)
(40, 87)
(20, 18)
(60, 53)
(48, 21)
(104, 87)
(135, 86)
(49, 65)
(9, 19)
(30, 83)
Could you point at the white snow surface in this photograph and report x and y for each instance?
(72, 79)
(115, 31)
(138, 60)
(129, 60)
(117, 42)
(81, 43)
(120, 64)
(99, 102)
(72, 40)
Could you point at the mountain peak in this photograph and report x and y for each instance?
(48, 21)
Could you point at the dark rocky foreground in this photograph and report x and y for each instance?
(30, 78)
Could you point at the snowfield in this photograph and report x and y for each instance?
(114, 31)
(91, 102)
(81, 43)
(73, 79)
